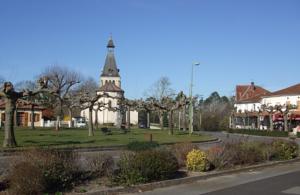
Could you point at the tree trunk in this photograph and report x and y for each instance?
(15, 118)
(96, 119)
(57, 125)
(179, 120)
(91, 128)
(171, 132)
(258, 122)
(128, 117)
(9, 136)
(161, 120)
(285, 118)
(32, 116)
(200, 121)
(271, 121)
(184, 118)
(148, 119)
(71, 125)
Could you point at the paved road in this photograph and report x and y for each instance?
(278, 180)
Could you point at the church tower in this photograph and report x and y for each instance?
(110, 83)
(110, 72)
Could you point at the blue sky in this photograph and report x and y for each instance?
(236, 41)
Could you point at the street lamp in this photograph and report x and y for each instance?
(191, 106)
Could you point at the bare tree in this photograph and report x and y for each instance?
(89, 98)
(61, 80)
(159, 90)
(11, 97)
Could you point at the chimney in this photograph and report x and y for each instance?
(252, 86)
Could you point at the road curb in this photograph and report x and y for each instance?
(11, 152)
(186, 180)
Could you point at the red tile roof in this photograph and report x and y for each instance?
(292, 90)
(250, 93)
(20, 106)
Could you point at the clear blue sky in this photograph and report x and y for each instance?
(236, 42)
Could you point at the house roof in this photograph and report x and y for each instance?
(21, 106)
(292, 90)
(110, 87)
(110, 67)
(250, 93)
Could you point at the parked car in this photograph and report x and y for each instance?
(79, 122)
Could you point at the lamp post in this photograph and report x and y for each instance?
(191, 106)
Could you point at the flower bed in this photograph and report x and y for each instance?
(53, 171)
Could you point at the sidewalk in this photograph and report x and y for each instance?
(227, 181)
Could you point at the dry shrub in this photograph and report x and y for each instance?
(237, 153)
(55, 171)
(180, 151)
(26, 178)
(100, 165)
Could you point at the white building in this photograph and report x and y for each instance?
(110, 83)
(251, 98)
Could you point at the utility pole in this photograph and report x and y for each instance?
(191, 105)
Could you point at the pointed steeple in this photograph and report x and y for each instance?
(110, 43)
(110, 67)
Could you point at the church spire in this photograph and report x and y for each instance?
(110, 67)
(110, 43)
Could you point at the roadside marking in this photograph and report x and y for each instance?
(293, 190)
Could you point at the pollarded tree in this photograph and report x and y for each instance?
(32, 101)
(169, 105)
(11, 97)
(61, 81)
(89, 97)
(159, 90)
(285, 111)
(270, 109)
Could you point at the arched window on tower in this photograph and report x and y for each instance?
(113, 81)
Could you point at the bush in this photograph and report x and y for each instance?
(197, 161)
(216, 157)
(26, 179)
(100, 165)
(105, 130)
(284, 150)
(58, 170)
(238, 153)
(145, 166)
(141, 145)
(259, 132)
(180, 150)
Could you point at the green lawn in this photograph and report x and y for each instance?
(66, 138)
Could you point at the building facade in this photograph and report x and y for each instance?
(110, 83)
(23, 115)
(258, 108)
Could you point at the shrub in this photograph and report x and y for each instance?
(26, 179)
(238, 153)
(100, 165)
(242, 153)
(180, 150)
(197, 161)
(145, 166)
(105, 130)
(284, 150)
(259, 132)
(216, 157)
(58, 168)
(141, 145)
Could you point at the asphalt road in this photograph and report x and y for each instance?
(277, 180)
